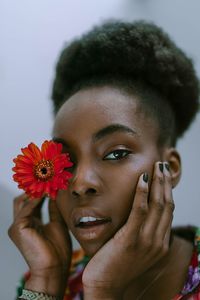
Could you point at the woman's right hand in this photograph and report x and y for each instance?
(45, 247)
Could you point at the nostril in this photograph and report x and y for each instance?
(91, 191)
(74, 193)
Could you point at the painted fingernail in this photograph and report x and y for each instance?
(145, 177)
(161, 167)
(167, 166)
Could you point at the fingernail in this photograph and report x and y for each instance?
(161, 167)
(167, 166)
(145, 177)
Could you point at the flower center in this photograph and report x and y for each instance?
(44, 170)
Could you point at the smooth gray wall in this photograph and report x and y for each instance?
(32, 34)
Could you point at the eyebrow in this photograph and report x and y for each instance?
(102, 133)
(112, 129)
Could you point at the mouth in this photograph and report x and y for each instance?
(90, 225)
(89, 221)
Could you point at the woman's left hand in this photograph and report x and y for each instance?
(137, 245)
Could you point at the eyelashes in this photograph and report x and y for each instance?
(114, 155)
(117, 154)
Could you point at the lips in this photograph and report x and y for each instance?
(90, 225)
(88, 217)
(91, 221)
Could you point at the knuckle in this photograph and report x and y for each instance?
(17, 202)
(11, 231)
(158, 205)
(170, 206)
(159, 247)
(148, 244)
(159, 179)
(168, 179)
(19, 198)
(165, 249)
(141, 209)
(15, 227)
(142, 191)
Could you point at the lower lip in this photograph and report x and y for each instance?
(92, 232)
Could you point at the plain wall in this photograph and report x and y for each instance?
(32, 34)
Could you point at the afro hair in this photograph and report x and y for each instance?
(137, 51)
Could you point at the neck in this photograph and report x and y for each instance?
(170, 272)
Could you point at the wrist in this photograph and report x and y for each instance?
(52, 282)
(30, 295)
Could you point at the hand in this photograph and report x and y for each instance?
(138, 245)
(45, 247)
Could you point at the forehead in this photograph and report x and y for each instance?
(97, 107)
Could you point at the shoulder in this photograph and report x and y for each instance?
(191, 289)
(188, 232)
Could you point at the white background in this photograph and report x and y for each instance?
(32, 33)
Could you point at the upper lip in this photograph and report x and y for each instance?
(87, 212)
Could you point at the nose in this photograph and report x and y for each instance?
(85, 182)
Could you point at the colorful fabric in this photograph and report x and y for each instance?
(191, 289)
(74, 290)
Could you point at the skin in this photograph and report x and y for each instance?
(108, 181)
(111, 180)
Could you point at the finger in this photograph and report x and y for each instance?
(168, 237)
(54, 213)
(167, 215)
(38, 209)
(24, 217)
(156, 202)
(139, 208)
(27, 209)
(19, 203)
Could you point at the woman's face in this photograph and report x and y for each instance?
(111, 143)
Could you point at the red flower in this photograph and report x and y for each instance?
(42, 172)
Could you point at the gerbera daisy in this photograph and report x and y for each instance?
(42, 172)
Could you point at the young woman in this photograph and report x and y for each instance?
(123, 94)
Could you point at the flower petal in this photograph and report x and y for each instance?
(42, 172)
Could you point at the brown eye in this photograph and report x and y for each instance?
(117, 154)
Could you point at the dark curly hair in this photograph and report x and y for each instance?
(139, 58)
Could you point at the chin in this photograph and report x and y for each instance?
(92, 239)
(91, 249)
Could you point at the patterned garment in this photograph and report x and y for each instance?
(191, 289)
(74, 290)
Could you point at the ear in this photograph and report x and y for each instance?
(172, 156)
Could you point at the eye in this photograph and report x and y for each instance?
(117, 154)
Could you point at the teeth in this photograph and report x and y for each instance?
(88, 219)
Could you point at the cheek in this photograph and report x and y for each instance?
(124, 184)
(64, 206)
(124, 179)
(123, 189)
